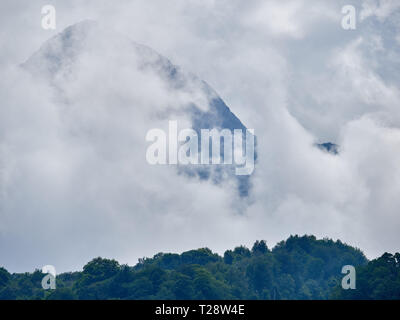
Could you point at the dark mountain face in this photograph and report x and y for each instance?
(92, 68)
(82, 61)
(329, 147)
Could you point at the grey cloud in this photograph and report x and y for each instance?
(75, 184)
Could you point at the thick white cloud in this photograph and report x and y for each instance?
(74, 183)
(381, 9)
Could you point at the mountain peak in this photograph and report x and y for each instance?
(91, 66)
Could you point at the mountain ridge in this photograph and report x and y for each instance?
(58, 62)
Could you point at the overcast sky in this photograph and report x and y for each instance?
(74, 184)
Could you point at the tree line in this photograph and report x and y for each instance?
(302, 267)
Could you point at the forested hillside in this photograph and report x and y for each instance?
(379, 280)
(298, 268)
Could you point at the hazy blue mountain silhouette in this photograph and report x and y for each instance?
(60, 52)
(329, 147)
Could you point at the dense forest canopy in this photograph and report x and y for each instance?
(298, 268)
